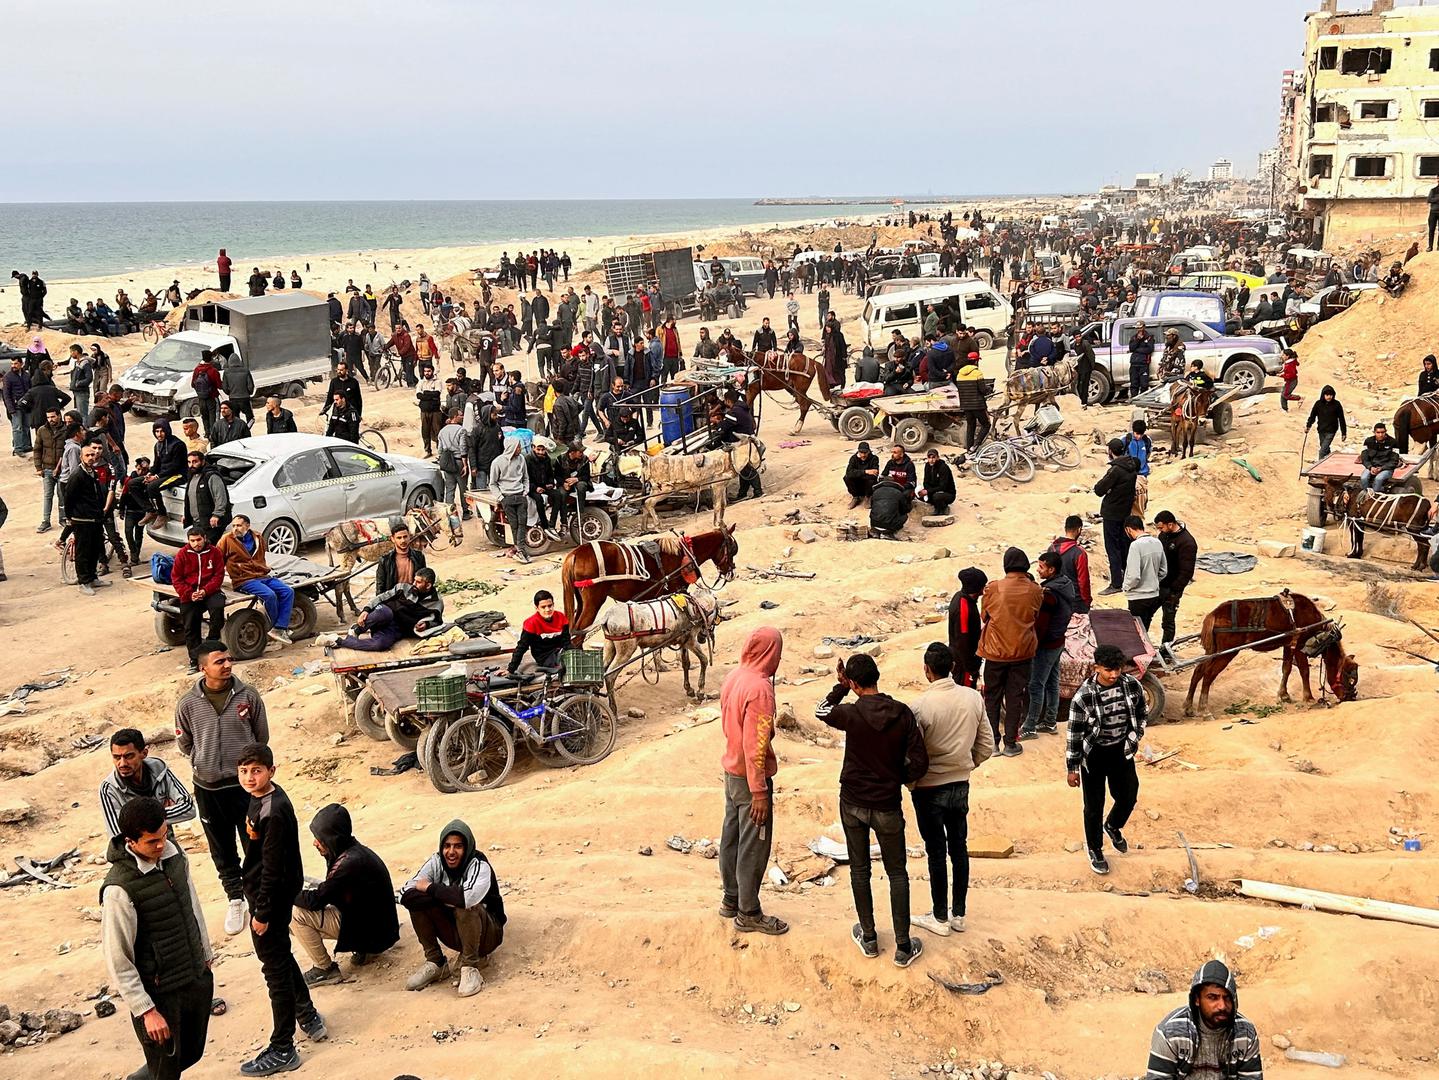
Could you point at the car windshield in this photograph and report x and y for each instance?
(174, 355)
(230, 467)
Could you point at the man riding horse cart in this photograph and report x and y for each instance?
(1183, 409)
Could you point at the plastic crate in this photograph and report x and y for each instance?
(583, 667)
(440, 694)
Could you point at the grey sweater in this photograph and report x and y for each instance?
(1145, 568)
(213, 740)
(508, 472)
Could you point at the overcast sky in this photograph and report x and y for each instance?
(471, 99)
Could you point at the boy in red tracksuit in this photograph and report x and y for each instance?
(198, 577)
(545, 635)
(965, 626)
(747, 714)
(1290, 374)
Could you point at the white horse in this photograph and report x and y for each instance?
(685, 619)
(670, 476)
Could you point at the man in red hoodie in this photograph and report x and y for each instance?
(1074, 560)
(747, 714)
(199, 579)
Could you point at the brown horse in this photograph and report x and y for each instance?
(605, 569)
(792, 373)
(1365, 511)
(1187, 408)
(1294, 623)
(1417, 418)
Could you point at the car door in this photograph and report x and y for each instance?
(310, 483)
(1202, 347)
(371, 485)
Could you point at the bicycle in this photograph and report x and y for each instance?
(477, 750)
(386, 372)
(1015, 454)
(155, 330)
(374, 439)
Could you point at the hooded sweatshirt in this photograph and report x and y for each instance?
(1181, 1040)
(1328, 414)
(509, 474)
(965, 625)
(1059, 600)
(1117, 488)
(747, 710)
(1074, 564)
(883, 747)
(357, 884)
(472, 883)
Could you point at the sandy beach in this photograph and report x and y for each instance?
(614, 962)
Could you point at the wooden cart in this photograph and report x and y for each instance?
(1342, 467)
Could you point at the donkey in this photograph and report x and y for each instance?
(683, 619)
(1188, 407)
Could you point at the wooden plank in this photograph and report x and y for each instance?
(1338, 902)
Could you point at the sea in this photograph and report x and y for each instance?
(78, 240)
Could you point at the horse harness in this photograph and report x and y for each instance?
(1382, 511)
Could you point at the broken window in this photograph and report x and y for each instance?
(1371, 167)
(1374, 110)
(1431, 109)
(1428, 165)
(1321, 166)
(1324, 114)
(1365, 61)
(1434, 59)
(1329, 57)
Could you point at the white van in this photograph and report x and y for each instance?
(986, 312)
(748, 271)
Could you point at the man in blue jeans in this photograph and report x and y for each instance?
(957, 738)
(883, 751)
(244, 552)
(1379, 458)
(1059, 600)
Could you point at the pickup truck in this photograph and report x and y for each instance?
(1241, 361)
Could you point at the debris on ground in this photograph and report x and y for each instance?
(991, 980)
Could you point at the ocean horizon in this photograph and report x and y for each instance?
(89, 239)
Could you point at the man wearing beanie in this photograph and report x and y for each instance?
(1116, 488)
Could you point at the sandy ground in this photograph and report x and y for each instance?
(615, 963)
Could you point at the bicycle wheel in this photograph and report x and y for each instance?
(371, 439)
(67, 562)
(476, 754)
(991, 459)
(1060, 449)
(1021, 465)
(383, 378)
(586, 728)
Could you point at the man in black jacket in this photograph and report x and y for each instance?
(965, 626)
(1084, 368)
(1116, 487)
(278, 420)
(544, 488)
(347, 384)
(860, 474)
(399, 565)
(1180, 553)
(454, 900)
(1380, 457)
(883, 750)
(354, 906)
(764, 339)
(938, 486)
(84, 504)
(207, 500)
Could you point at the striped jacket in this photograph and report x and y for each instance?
(213, 740)
(1171, 1050)
(164, 785)
(1084, 720)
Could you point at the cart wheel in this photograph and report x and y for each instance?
(428, 753)
(403, 731)
(1222, 420)
(476, 755)
(1314, 512)
(245, 633)
(856, 423)
(593, 524)
(1413, 485)
(1153, 696)
(536, 542)
(587, 727)
(304, 617)
(911, 433)
(169, 630)
(494, 534)
(365, 716)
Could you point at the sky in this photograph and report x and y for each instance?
(473, 99)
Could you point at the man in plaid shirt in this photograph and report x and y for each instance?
(1106, 721)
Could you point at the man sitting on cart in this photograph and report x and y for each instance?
(413, 610)
(244, 552)
(544, 635)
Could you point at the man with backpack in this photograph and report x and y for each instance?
(453, 444)
(205, 381)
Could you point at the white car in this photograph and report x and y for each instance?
(295, 488)
(1314, 305)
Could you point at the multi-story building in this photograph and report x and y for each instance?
(1221, 170)
(1284, 172)
(1369, 118)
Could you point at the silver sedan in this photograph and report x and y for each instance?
(295, 488)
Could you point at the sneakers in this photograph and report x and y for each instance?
(427, 973)
(927, 921)
(1098, 863)
(1048, 729)
(1012, 750)
(905, 957)
(194, 669)
(1116, 838)
(86, 589)
(101, 584)
(43, 527)
(314, 1026)
(270, 1061)
(956, 923)
(1026, 733)
(470, 981)
(235, 915)
(320, 976)
(868, 946)
(281, 636)
(1110, 591)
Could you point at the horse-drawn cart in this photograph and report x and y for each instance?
(912, 420)
(1340, 469)
(1110, 626)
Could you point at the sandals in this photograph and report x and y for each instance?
(760, 924)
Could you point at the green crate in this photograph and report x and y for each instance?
(583, 667)
(440, 694)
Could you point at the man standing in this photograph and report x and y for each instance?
(1107, 716)
(85, 507)
(453, 454)
(1007, 644)
(1058, 600)
(957, 741)
(747, 717)
(153, 935)
(427, 397)
(1084, 368)
(49, 448)
(1180, 553)
(1144, 568)
(510, 480)
(137, 775)
(965, 626)
(229, 427)
(883, 750)
(1433, 213)
(243, 551)
(1141, 353)
(1074, 561)
(14, 388)
(278, 420)
(354, 906)
(207, 500)
(214, 720)
(205, 381)
(1328, 413)
(1116, 488)
(222, 270)
(1210, 1036)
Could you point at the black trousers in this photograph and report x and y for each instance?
(1170, 610)
(888, 829)
(134, 533)
(939, 501)
(1433, 224)
(942, 814)
(222, 815)
(749, 482)
(89, 543)
(193, 613)
(1006, 697)
(977, 424)
(859, 486)
(549, 503)
(187, 1011)
(289, 996)
(1144, 610)
(1116, 547)
(1107, 765)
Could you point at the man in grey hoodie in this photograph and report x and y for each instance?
(510, 478)
(1144, 568)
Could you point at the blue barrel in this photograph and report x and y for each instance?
(677, 418)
